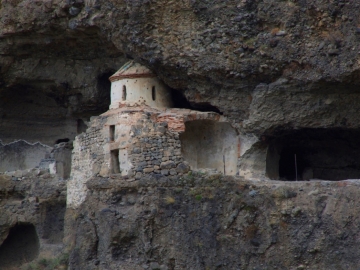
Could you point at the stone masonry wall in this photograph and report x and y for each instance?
(87, 158)
(146, 142)
(155, 150)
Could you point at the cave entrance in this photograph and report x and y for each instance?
(180, 101)
(207, 144)
(326, 154)
(21, 246)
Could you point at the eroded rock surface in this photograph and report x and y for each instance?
(32, 207)
(270, 67)
(210, 222)
(297, 56)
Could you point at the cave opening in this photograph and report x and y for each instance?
(80, 126)
(46, 111)
(207, 144)
(21, 246)
(35, 115)
(180, 101)
(324, 154)
(103, 87)
(64, 140)
(52, 222)
(205, 107)
(291, 163)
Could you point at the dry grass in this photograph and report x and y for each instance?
(274, 31)
(170, 200)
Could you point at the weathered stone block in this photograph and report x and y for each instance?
(148, 170)
(167, 164)
(182, 168)
(173, 171)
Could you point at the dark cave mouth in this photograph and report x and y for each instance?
(318, 154)
(180, 101)
(21, 246)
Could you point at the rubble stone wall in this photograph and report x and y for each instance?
(87, 157)
(155, 150)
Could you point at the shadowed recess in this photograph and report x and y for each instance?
(21, 246)
(326, 154)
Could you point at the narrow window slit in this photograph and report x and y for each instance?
(112, 133)
(124, 93)
(115, 164)
(153, 93)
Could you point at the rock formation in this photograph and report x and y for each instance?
(281, 77)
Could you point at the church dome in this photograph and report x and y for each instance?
(132, 70)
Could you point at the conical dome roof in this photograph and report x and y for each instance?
(131, 70)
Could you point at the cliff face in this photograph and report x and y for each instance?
(211, 222)
(284, 73)
(294, 53)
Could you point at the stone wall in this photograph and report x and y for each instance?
(134, 142)
(142, 146)
(87, 156)
(157, 151)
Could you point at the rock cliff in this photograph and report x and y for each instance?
(284, 73)
(212, 222)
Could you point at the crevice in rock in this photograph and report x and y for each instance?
(205, 107)
(62, 140)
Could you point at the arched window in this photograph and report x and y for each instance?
(153, 93)
(124, 93)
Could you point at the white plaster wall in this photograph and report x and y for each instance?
(122, 123)
(139, 91)
(204, 143)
